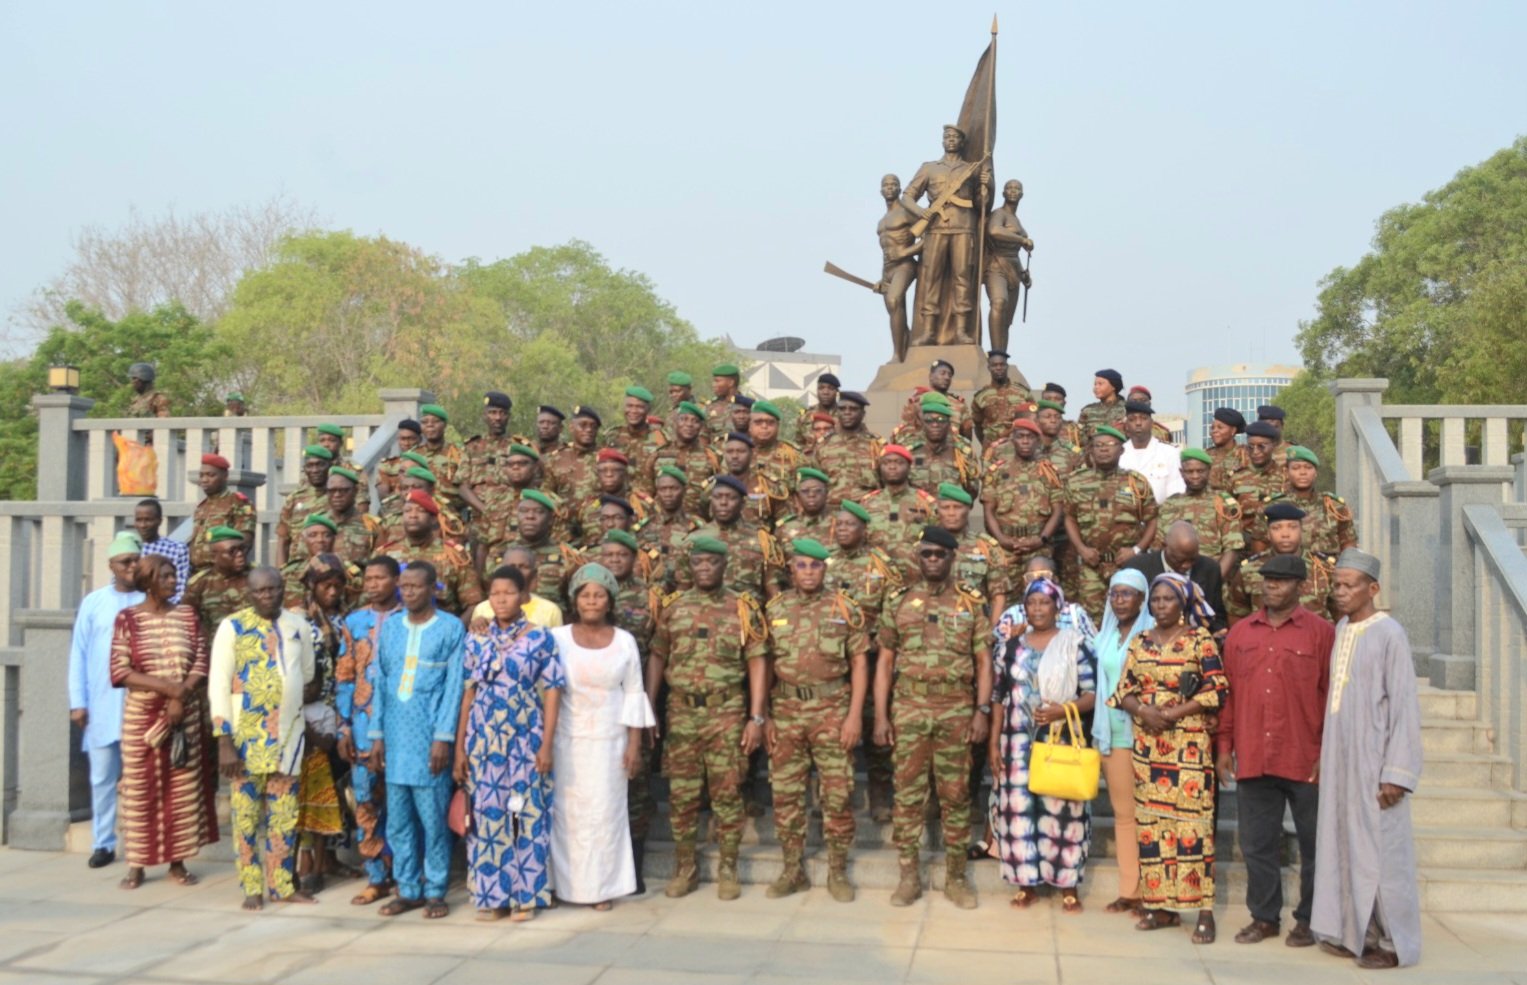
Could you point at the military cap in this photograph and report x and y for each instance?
(1027, 425)
(1357, 560)
(1197, 455)
(808, 547)
(424, 501)
(680, 378)
(689, 407)
(765, 407)
(1270, 412)
(1113, 378)
(1138, 388)
(1277, 511)
(409, 424)
(420, 472)
(319, 520)
(415, 457)
(494, 398)
(318, 451)
(853, 509)
(219, 462)
(674, 473)
(1261, 429)
(1054, 388)
(524, 451)
(621, 501)
(1050, 405)
(235, 395)
(854, 397)
(744, 401)
(725, 369)
(434, 410)
(941, 362)
(1137, 407)
(934, 404)
(731, 482)
(900, 450)
(743, 437)
(823, 416)
(998, 352)
(831, 379)
(948, 490)
(706, 545)
(811, 473)
(539, 498)
(221, 532)
(1285, 566)
(1230, 416)
(141, 371)
(612, 455)
(1111, 432)
(588, 412)
(940, 537)
(622, 537)
(1299, 453)
(332, 430)
(345, 473)
(553, 411)
(951, 126)
(640, 393)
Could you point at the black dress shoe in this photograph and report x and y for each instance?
(100, 857)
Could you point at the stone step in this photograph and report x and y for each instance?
(1443, 735)
(1498, 849)
(1437, 703)
(1465, 769)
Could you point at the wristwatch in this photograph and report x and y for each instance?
(759, 720)
(984, 709)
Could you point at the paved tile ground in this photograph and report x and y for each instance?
(62, 922)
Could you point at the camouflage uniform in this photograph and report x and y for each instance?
(1227, 461)
(1095, 415)
(555, 564)
(912, 415)
(768, 498)
(938, 634)
(1216, 517)
(994, 408)
(458, 589)
(1328, 524)
(897, 518)
(662, 537)
(1111, 513)
(445, 462)
(1022, 496)
(295, 509)
(849, 458)
(957, 463)
(483, 468)
(794, 526)
(981, 566)
(294, 592)
(718, 418)
(1252, 488)
(586, 524)
(706, 640)
(778, 461)
(869, 577)
(1066, 456)
(453, 529)
(639, 446)
(813, 640)
(150, 404)
(636, 609)
(226, 509)
(570, 472)
(1243, 595)
(356, 540)
(698, 461)
(754, 560)
(214, 597)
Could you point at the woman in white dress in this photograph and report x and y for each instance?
(597, 744)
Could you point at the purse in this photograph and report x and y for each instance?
(1068, 770)
(180, 749)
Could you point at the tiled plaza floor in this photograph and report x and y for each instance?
(62, 922)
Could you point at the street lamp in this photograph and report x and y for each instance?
(64, 379)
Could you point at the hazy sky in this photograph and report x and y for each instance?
(1191, 170)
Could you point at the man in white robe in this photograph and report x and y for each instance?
(1367, 900)
(1153, 458)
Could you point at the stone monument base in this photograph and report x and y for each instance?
(895, 381)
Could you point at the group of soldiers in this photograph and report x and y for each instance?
(798, 587)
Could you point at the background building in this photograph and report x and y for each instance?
(1242, 386)
(778, 369)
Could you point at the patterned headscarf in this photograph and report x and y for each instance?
(1044, 586)
(1196, 609)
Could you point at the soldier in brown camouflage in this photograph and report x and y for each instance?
(220, 507)
(940, 456)
(811, 517)
(817, 650)
(666, 531)
(940, 378)
(995, 406)
(829, 392)
(146, 402)
(317, 537)
(935, 659)
(612, 474)
(773, 456)
(387, 472)
(725, 379)
(708, 641)
(311, 497)
(637, 436)
(690, 452)
(1110, 517)
(356, 531)
(1259, 482)
(1023, 497)
(555, 562)
(768, 496)
(1215, 516)
(1057, 446)
(496, 482)
(755, 564)
(443, 455)
(1069, 432)
(453, 529)
(1226, 455)
(1329, 527)
(548, 440)
(221, 589)
(569, 473)
(850, 454)
(898, 510)
(1108, 387)
(980, 563)
(1243, 594)
(457, 587)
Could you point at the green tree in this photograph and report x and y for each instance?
(189, 359)
(1311, 412)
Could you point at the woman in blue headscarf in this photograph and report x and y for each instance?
(1113, 733)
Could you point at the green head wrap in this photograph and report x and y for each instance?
(125, 542)
(596, 574)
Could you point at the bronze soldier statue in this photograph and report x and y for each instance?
(1005, 274)
(946, 275)
(898, 249)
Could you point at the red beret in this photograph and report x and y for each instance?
(825, 418)
(612, 455)
(1137, 388)
(216, 461)
(1027, 425)
(424, 501)
(897, 450)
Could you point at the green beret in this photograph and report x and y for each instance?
(434, 410)
(640, 393)
(319, 520)
(318, 451)
(350, 474)
(333, 429)
(623, 538)
(525, 450)
(932, 403)
(537, 496)
(1299, 453)
(1197, 455)
(674, 473)
(809, 548)
(680, 378)
(1112, 432)
(948, 490)
(685, 407)
(223, 533)
(764, 407)
(1050, 405)
(855, 510)
(235, 395)
(419, 472)
(416, 458)
(707, 545)
(811, 473)
(725, 369)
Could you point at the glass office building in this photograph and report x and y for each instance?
(1243, 386)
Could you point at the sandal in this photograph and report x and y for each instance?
(601, 907)
(1124, 905)
(1204, 932)
(436, 909)
(489, 915)
(370, 894)
(1158, 920)
(402, 904)
(1071, 903)
(522, 916)
(133, 879)
(1023, 899)
(183, 876)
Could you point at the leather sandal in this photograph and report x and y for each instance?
(1256, 932)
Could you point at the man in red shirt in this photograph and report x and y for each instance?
(1278, 663)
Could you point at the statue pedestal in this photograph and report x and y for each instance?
(895, 381)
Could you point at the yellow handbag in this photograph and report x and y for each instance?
(1068, 770)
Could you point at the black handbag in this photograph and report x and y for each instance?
(180, 749)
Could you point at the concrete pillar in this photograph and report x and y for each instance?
(61, 450)
(47, 744)
(1454, 664)
(1350, 394)
(1409, 580)
(403, 402)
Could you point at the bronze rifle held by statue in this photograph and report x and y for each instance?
(950, 197)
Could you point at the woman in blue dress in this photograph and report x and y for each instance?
(514, 680)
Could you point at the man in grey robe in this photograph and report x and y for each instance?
(1367, 900)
